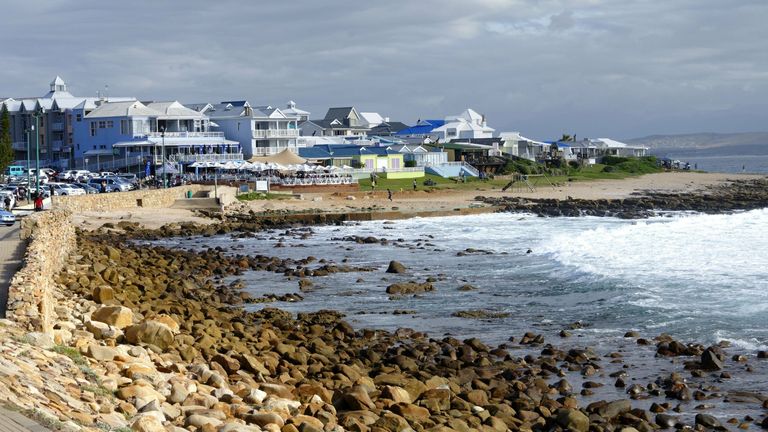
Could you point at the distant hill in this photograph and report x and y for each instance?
(709, 144)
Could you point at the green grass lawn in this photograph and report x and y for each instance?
(622, 168)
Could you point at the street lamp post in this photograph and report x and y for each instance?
(162, 157)
(37, 115)
(29, 179)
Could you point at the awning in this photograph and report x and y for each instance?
(285, 157)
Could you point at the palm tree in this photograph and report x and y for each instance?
(566, 138)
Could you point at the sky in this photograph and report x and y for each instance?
(590, 68)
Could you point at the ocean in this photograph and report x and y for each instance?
(699, 278)
(752, 164)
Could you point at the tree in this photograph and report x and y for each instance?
(6, 151)
(566, 138)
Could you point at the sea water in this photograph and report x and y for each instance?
(699, 278)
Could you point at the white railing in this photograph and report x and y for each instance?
(182, 134)
(276, 133)
(472, 170)
(212, 157)
(386, 170)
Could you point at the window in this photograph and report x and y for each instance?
(451, 132)
(102, 124)
(124, 127)
(79, 117)
(93, 128)
(110, 124)
(103, 147)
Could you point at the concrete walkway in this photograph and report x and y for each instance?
(11, 257)
(11, 421)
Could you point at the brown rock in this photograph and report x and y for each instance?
(410, 412)
(150, 332)
(103, 294)
(116, 316)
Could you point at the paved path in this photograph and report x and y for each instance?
(11, 421)
(11, 256)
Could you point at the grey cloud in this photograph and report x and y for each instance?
(544, 67)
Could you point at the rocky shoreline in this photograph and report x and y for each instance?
(162, 344)
(157, 339)
(736, 196)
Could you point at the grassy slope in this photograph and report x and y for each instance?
(595, 172)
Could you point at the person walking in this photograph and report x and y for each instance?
(389, 194)
(7, 202)
(414, 185)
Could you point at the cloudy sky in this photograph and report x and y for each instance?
(543, 67)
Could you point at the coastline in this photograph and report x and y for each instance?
(236, 370)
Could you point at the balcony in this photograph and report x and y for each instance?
(213, 157)
(57, 126)
(275, 133)
(56, 146)
(182, 134)
(20, 146)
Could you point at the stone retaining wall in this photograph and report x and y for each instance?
(153, 198)
(51, 238)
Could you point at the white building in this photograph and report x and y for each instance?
(467, 125)
(260, 130)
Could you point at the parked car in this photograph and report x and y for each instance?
(65, 189)
(106, 174)
(87, 188)
(7, 218)
(111, 184)
(43, 176)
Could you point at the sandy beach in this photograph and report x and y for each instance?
(422, 201)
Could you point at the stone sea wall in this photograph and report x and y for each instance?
(30, 296)
(154, 198)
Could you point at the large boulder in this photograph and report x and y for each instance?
(395, 267)
(572, 419)
(116, 316)
(150, 332)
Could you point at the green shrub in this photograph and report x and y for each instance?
(72, 353)
(608, 169)
(614, 160)
(410, 163)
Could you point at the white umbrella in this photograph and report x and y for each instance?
(319, 169)
(198, 164)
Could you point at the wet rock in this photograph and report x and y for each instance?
(709, 422)
(711, 360)
(572, 419)
(666, 421)
(410, 288)
(396, 267)
(480, 314)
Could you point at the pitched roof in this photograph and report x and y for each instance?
(391, 127)
(123, 109)
(339, 113)
(314, 152)
(372, 118)
(422, 128)
(174, 110)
